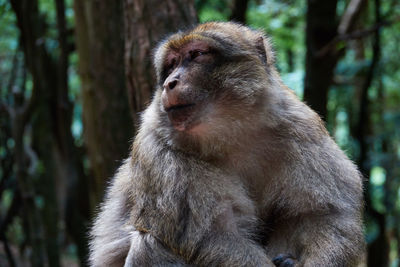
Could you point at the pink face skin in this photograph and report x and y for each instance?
(181, 97)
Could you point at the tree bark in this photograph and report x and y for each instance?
(146, 23)
(322, 53)
(41, 68)
(378, 250)
(106, 114)
(50, 113)
(239, 9)
(72, 189)
(321, 29)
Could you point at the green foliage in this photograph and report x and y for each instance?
(212, 10)
(74, 90)
(284, 22)
(8, 44)
(6, 201)
(377, 182)
(15, 233)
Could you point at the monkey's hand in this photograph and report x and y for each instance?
(329, 241)
(284, 260)
(231, 250)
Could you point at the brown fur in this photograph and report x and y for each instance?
(250, 174)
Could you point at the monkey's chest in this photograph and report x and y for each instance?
(165, 216)
(185, 218)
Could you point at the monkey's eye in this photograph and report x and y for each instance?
(170, 67)
(196, 53)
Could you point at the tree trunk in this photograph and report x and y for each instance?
(60, 171)
(73, 191)
(146, 23)
(378, 250)
(239, 8)
(41, 68)
(106, 114)
(321, 29)
(321, 41)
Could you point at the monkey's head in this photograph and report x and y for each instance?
(211, 81)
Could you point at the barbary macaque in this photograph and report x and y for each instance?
(229, 167)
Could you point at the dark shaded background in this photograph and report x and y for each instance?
(75, 73)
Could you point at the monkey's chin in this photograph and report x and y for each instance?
(182, 118)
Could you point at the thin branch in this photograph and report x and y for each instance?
(355, 35)
(363, 33)
(63, 51)
(14, 69)
(4, 108)
(11, 213)
(28, 107)
(7, 168)
(350, 16)
(7, 249)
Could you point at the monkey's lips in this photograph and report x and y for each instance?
(179, 114)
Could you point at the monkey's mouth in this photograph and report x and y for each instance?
(180, 114)
(180, 107)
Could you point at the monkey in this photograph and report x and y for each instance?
(229, 167)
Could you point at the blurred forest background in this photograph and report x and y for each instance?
(75, 73)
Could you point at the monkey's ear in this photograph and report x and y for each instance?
(264, 50)
(261, 50)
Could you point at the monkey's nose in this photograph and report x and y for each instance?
(171, 85)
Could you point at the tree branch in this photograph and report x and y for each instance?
(347, 22)
(11, 213)
(14, 68)
(350, 16)
(363, 33)
(355, 35)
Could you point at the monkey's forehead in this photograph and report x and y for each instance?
(227, 35)
(178, 41)
(227, 31)
(232, 29)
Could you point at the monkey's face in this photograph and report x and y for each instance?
(186, 85)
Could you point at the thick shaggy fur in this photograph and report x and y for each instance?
(258, 177)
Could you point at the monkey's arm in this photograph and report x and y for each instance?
(115, 241)
(229, 249)
(110, 238)
(225, 237)
(145, 250)
(315, 240)
(336, 240)
(319, 220)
